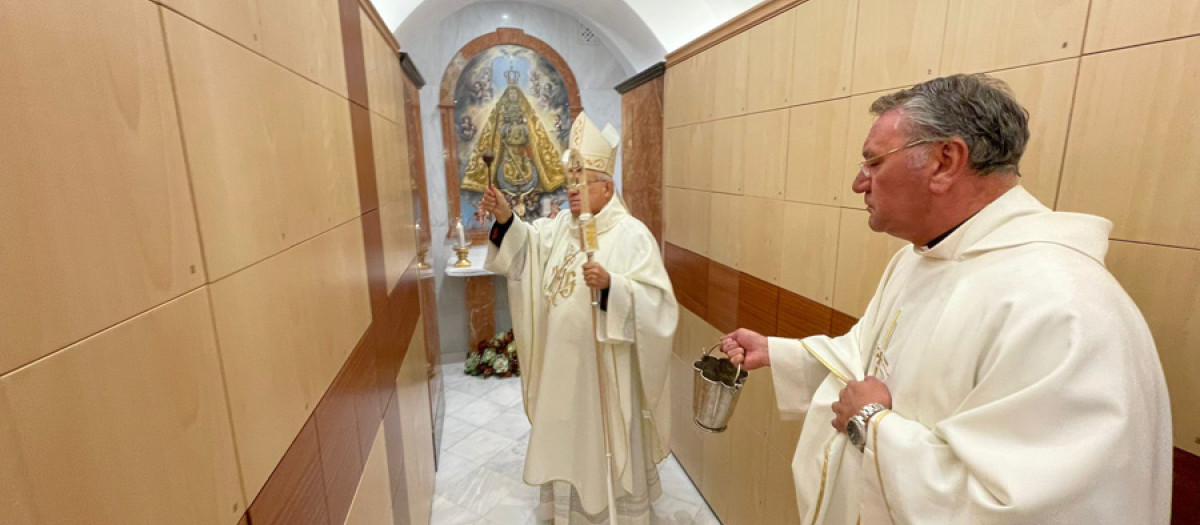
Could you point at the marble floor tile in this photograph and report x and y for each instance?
(510, 461)
(481, 446)
(508, 394)
(480, 412)
(454, 430)
(512, 424)
(446, 512)
(456, 400)
(478, 386)
(669, 510)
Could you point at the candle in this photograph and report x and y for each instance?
(462, 238)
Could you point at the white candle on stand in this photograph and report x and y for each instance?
(462, 238)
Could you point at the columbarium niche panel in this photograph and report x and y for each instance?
(512, 119)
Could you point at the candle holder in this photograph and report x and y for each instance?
(421, 264)
(462, 252)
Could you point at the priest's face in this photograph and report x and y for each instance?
(600, 190)
(895, 179)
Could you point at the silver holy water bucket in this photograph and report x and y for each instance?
(715, 388)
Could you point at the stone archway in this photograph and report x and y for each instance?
(502, 36)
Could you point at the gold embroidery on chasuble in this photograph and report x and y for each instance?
(562, 280)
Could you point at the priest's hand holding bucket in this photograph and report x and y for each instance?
(746, 348)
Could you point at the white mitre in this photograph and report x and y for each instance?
(598, 148)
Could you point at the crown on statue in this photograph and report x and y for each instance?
(512, 76)
(597, 148)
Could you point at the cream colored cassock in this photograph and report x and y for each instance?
(553, 328)
(1024, 381)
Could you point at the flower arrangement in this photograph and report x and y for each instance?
(494, 357)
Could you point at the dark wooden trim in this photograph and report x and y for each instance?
(650, 73)
(410, 70)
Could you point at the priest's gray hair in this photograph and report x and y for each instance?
(979, 109)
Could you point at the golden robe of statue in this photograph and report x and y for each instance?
(515, 135)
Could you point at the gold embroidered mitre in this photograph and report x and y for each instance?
(598, 148)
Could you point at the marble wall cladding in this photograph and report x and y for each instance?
(642, 112)
(596, 69)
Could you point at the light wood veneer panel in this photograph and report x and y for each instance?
(1046, 91)
(688, 219)
(373, 500)
(765, 154)
(395, 187)
(730, 76)
(412, 393)
(236, 19)
(1119, 23)
(862, 257)
(1135, 142)
(725, 229)
(899, 42)
(817, 135)
(271, 154)
(95, 215)
(823, 50)
(760, 238)
(385, 79)
(286, 326)
(305, 36)
(675, 157)
(809, 254)
(728, 152)
(770, 68)
(699, 170)
(127, 426)
(1165, 284)
(983, 35)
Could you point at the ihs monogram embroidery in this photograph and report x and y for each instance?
(562, 282)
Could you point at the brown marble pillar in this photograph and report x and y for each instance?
(642, 147)
(481, 306)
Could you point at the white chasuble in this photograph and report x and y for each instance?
(552, 323)
(1025, 385)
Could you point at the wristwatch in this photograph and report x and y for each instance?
(856, 428)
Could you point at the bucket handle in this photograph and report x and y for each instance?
(736, 375)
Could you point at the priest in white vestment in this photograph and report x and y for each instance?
(550, 287)
(1000, 373)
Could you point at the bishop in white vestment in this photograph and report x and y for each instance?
(1015, 380)
(551, 308)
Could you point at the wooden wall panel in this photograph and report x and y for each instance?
(699, 169)
(728, 153)
(729, 75)
(1045, 90)
(394, 183)
(809, 255)
(412, 393)
(286, 326)
(385, 79)
(1165, 284)
(1133, 135)
(761, 245)
(862, 257)
(770, 68)
(1119, 23)
(373, 499)
(127, 426)
(677, 148)
(95, 203)
(899, 42)
(688, 214)
(766, 153)
(823, 50)
(271, 154)
(673, 94)
(305, 36)
(984, 35)
(817, 135)
(725, 229)
(236, 19)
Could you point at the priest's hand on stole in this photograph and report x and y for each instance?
(494, 203)
(596, 276)
(747, 348)
(855, 396)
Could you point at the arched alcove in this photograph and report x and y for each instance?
(447, 102)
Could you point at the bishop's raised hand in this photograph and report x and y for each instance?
(494, 203)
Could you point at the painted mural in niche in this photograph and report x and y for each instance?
(511, 103)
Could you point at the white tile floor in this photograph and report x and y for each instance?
(484, 437)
